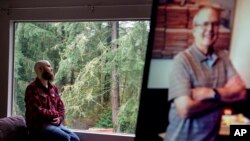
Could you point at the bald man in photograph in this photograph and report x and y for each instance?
(44, 107)
(202, 80)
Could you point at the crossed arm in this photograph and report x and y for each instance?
(187, 106)
(34, 105)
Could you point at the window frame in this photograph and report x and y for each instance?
(8, 17)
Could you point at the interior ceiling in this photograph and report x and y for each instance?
(69, 3)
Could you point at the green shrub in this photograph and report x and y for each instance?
(105, 120)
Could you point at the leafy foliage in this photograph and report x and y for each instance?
(105, 120)
(127, 116)
(83, 60)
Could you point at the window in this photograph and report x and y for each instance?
(98, 73)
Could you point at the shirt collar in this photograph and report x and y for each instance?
(199, 56)
(39, 83)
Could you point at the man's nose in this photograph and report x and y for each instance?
(210, 26)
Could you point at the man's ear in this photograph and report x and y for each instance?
(193, 29)
(40, 68)
(192, 32)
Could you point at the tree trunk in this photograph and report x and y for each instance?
(115, 97)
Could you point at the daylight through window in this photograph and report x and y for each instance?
(98, 69)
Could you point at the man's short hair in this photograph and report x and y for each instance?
(201, 7)
(38, 64)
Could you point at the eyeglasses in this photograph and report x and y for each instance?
(207, 24)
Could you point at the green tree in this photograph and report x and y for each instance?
(85, 59)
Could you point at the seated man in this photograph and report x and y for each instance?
(44, 107)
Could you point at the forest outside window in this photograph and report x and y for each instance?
(98, 69)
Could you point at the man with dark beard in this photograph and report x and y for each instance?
(44, 107)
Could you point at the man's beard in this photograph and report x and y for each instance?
(48, 76)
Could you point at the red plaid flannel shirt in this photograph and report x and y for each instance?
(42, 104)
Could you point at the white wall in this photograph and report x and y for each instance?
(159, 73)
(240, 45)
